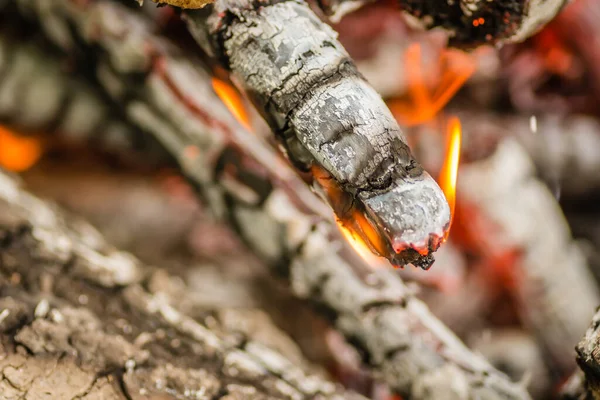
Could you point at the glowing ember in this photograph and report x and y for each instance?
(233, 101)
(449, 172)
(450, 73)
(18, 153)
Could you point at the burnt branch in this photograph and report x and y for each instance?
(469, 23)
(330, 120)
(244, 182)
(81, 307)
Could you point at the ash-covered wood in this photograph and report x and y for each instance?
(80, 318)
(328, 117)
(245, 183)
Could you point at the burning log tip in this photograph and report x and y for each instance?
(414, 218)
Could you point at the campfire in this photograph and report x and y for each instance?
(299, 200)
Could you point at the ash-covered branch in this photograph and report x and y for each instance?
(330, 120)
(170, 95)
(469, 23)
(78, 305)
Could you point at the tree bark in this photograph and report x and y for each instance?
(283, 223)
(79, 318)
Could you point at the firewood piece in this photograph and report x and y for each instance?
(329, 118)
(469, 23)
(67, 292)
(245, 183)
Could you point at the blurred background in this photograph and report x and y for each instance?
(513, 133)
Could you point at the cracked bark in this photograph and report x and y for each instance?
(329, 119)
(80, 318)
(588, 386)
(169, 94)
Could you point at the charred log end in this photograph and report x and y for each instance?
(486, 22)
(414, 218)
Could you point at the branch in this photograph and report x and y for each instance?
(331, 122)
(67, 292)
(469, 23)
(245, 183)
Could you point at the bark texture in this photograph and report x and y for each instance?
(243, 181)
(83, 320)
(589, 362)
(328, 117)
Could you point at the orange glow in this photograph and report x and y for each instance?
(233, 101)
(359, 246)
(353, 224)
(453, 69)
(18, 153)
(449, 173)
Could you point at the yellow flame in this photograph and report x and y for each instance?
(449, 173)
(359, 246)
(18, 153)
(453, 69)
(233, 101)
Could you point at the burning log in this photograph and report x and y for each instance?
(170, 95)
(469, 23)
(330, 121)
(79, 307)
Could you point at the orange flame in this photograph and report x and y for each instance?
(233, 101)
(18, 153)
(454, 68)
(359, 246)
(449, 173)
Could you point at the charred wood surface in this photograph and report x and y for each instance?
(328, 117)
(80, 318)
(244, 182)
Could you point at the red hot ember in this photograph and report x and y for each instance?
(330, 121)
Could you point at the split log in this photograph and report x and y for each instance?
(170, 95)
(74, 307)
(330, 121)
